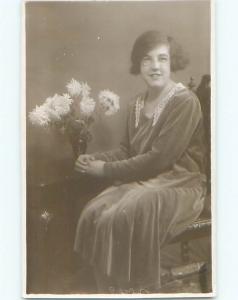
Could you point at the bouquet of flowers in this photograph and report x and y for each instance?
(73, 112)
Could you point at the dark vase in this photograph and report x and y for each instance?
(79, 146)
(82, 146)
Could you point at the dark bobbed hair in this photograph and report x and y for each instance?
(148, 41)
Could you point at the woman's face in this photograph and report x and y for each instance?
(155, 67)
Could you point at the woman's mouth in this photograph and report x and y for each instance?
(155, 75)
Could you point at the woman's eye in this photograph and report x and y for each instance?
(146, 59)
(163, 58)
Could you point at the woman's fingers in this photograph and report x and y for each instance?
(83, 163)
(80, 167)
(80, 170)
(85, 159)
(81, 160)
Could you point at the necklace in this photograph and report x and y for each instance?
(159, 108)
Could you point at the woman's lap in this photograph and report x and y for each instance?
(129, 202)
(122, 230)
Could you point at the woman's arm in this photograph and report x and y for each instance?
(118, 154)
(173, 139)
(93, 164)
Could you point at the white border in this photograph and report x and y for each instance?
(213, 168)
(213, 145)
(122, 296)
(23, 149)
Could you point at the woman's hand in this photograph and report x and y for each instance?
(95, 168)
(82, 162)
(86, 164)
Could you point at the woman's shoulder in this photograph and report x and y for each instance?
(184, 95)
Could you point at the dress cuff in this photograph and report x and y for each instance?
(108, 170)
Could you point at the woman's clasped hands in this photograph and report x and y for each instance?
(86, 164)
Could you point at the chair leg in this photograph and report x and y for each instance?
(185, 252)
(203, 280)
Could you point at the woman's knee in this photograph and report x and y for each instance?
(87, 214)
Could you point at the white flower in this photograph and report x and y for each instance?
(67, 98)
(58, 106)
(53, 115)
(50, 110)
(85, 89)
(74, 87)
(87, 106)
(109, 102)
(39, 116)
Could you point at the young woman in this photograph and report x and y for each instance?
(160, 169)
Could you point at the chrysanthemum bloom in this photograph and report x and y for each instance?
(39, 116)
(50, 110)
(109, 102)
(74, 87)
(58, 105)
(53, 115)
(85, 89)
(87, 106)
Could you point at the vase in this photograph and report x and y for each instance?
(79, 146)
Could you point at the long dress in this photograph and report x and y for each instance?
(162, 187)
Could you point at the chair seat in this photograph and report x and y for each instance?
(196, 230)
(199, 228)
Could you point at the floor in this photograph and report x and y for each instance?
(72, 284)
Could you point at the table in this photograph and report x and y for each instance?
(53, 208)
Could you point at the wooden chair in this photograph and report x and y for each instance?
(201, 228)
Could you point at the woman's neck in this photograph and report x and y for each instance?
(153, 93)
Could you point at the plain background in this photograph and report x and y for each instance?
(226, 149)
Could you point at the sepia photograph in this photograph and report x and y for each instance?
(118, 113)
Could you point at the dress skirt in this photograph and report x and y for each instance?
(121, 231)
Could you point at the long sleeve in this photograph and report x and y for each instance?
(172, 140)
(118, 154)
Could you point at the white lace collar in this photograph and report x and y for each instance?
(159, 108)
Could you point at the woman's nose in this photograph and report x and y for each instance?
(155, 64)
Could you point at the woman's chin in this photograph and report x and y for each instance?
(156, 85)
